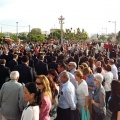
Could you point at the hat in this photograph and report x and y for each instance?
(98, 77)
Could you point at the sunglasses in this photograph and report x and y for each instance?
(39, 83)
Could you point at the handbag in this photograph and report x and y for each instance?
(85, 115)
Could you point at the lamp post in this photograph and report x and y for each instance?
(17, 30)
(61, 26)
(105, 30)
(115, 27)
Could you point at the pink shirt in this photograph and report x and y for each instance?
(45, 108)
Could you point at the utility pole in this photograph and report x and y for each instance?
(29, 33)
(17, 30)
(1, 29)
(61, 26)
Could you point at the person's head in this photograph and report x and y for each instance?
(115, 88)
(87, 71)
(25, 59)
(91, 61)
(32, 93)
(52, 74)
(54, 58)
(111, 61)
(43, 84)
(81, 67)
(61, 67)
(85, 65)
(78, 75)
(64, 77)
(72, 65)
(14, 75)
(99, 69)
(98, 79)
(41, 57)
(15, 56)
(108, 67)
(2, 61)
(98, 64)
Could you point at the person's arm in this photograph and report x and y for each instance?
(118, 116)
(102, 101)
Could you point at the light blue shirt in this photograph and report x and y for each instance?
(67, 97)
(90, 83)
(72, 80)
(73, 71)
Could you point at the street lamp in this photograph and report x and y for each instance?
(105, 29)
(115, 27)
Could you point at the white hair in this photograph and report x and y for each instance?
(98, 77)
(73, 63)
(66, 75)
(14, 75)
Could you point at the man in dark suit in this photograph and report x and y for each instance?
(41, 68)
(83, 59)
(53, 65)
(13, 63)
(71, 58)
(27, 74)
(4, 72)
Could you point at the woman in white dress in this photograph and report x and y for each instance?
(32, 96)
(81, 91)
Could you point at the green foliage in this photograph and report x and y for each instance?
(2, 36)
(55, 35)
(79, 35)
(13, 36)
(35, 35)
(103, 37)
(22, 36)
(118, 37)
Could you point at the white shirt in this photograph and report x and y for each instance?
(82, 90)
(67, 97)
(115, 72)
(31, 113)
(108, 76)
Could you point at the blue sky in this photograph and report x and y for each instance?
(92, 15)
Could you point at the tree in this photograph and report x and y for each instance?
(13, 36)
(118, 37)
(36, 35)
(56, 34)
(2, 36)
(22, 36)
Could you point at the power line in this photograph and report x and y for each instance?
(13, 25)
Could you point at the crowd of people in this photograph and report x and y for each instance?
(68, 81)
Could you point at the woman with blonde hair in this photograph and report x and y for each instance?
(43, 84)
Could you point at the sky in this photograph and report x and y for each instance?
(90, 15)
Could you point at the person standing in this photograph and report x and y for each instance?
(11, 98)
(4, 72)
(32, 96)
(67, 100)
(41, 68)
(27, 74)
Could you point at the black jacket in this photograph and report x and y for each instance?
(4, 74)
(27, 74)
(41, 68)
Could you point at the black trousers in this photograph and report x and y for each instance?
(67, 114)
(107, 97)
